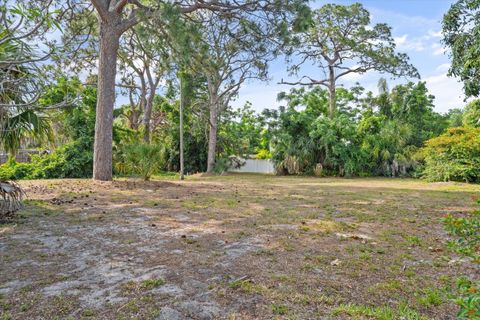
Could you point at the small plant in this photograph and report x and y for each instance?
(279, 309)
(466, 229)
(413, 241)
(88, 313)
(378, 313)
(152, 283)
(467, 242)
(468, 299)
(431, 297)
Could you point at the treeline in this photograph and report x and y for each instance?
(394, 133)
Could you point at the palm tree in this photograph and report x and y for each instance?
(18, 125)
(20, 115)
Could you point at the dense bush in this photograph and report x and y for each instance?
(369, 136)
(453, 156)
(471, 114)
(72, 160)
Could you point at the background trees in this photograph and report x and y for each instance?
(461, 26)
(341, 41)
(231, 53)
(369, 135)
(116, 17)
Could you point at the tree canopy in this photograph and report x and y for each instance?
(340, 40)
(461, 34)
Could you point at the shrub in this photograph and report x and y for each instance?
(143, 160)
(264, 154)
(13, 170)
(467, 243)
(221, 166)
(72, 160)
(453, 156)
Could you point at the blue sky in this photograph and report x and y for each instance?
(416, 26)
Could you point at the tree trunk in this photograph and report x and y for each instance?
(107, 68)
(332, 93)
(134, 113)
(182, 106)
(152, 85)
(147, 117)
(212, 135)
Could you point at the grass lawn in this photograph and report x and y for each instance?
(232, 247)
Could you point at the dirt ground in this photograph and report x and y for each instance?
(232, 247)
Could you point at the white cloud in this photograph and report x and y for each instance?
(404, 43)
(438, 49)
(448, 91)
(401, 40)
(398, 19)
(443, 67)
(435, 34)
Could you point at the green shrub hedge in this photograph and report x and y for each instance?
(453, 156)
(72, 160)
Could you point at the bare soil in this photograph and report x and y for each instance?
(232, 247)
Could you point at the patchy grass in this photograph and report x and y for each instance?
(377, 313)
(232, 247)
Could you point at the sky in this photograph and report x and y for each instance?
(416, 26)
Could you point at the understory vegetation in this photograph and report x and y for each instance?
(466, 241)
(396, 133)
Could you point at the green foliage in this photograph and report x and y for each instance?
(468, 299)
(466, 242)
(22, 44)
(377, 313)
(23, 124)
(453, 156)
(263, 154)
(455, 117)
(241, 132)
(221, 166)
(461, 30)
(76, 123)
(153, 283)
(471, 114)
(141, 159)
(465, 229)
(69, 161)
(195, 139)
(368, 136)
(279, 308)
(15, 171)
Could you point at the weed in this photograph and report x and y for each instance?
(152, 283)
(279, 309)
(430, 297)
(377, 313)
